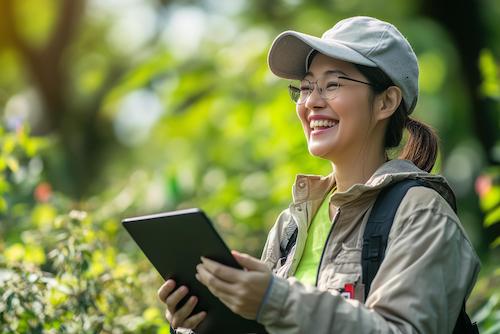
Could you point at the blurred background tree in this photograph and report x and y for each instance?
(138, 106)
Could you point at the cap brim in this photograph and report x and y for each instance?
(289, 51)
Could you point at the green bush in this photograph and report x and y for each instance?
(69, 279)
(61, 270)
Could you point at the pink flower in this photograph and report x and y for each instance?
(482, 185)
(43, 192)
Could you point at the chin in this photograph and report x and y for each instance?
(320, 152)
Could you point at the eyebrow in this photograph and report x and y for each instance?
(326, 72)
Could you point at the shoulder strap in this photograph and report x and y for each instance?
(378, 227)
(375, 241)
(464, 325)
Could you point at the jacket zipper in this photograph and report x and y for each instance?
(337, 213)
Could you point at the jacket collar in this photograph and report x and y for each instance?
(314, 187)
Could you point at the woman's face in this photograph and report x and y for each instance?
(338, 127)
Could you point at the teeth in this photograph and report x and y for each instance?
(322, 123)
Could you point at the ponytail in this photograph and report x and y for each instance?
(422, 145)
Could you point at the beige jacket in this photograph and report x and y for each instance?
(429, 268)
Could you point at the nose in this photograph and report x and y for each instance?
(315, 101)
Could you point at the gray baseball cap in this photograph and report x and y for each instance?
(360, 40)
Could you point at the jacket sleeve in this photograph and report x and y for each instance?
(427, 273)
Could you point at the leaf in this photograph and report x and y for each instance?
(9, 144)
(3, 204)
(151, 313)
(31, 147)
(44, 215)
(123, 270)
(14, 253)
(495, 243)
(13, 164)
(490, 86)
(4, 185)
(493, 217)
(34, 254)
(10, 299)
(56, 297)
(491, 199)
(2, 163)
(164, 329)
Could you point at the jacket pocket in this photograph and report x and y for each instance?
(348, 255)
(346, 265)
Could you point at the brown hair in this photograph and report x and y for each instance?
(422, 144)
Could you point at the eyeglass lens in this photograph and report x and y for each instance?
(327, 88)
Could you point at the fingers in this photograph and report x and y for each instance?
(165, 290)
(241, 291)
(175, 297)
(213, 282)
(221, 271)
(249, 262)
(180, 316)
(193, 321)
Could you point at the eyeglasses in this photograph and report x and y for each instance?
(328, 88)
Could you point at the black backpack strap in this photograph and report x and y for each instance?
(289, 245)
(464, 325)
(291, 242)
(376, 235)
(378, 227)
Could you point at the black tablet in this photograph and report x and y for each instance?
(174, 242)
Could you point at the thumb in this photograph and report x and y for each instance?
(249, 262)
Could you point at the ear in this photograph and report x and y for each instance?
(387, 102)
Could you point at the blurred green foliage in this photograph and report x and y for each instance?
(488, 189)
(63, 272)
(119, 108)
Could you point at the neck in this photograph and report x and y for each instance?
(356, 171)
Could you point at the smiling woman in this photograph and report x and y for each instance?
(374, 247)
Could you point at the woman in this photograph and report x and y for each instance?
(357, 86)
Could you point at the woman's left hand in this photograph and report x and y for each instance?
(240, 290)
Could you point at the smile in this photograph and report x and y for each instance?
(322, 124)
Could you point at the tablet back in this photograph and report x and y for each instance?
(174, 242)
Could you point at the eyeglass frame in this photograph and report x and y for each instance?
(320, 90)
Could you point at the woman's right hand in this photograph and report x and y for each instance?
(179, 317)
